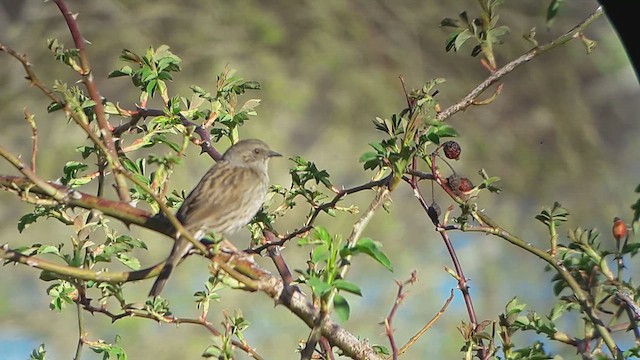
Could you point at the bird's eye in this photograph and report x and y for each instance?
(257, 151)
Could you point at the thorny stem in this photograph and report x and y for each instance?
(47, 188)
(491, 227)
(35, 81)
(87, 79)
(80, 332)
(460, 277)
(388, 321)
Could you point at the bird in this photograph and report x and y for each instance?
(227, 197)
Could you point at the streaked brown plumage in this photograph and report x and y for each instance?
(227, 197)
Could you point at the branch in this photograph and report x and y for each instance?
(310, 221)
(506, 69)
(400, 296)
(493, 228)
(205, 142)
(73, 198)
(430, 324)
(133, 312)
(460, 277)
(231, 261)
(28, 116)
(73, 272)
(87, 79)
(35, 81)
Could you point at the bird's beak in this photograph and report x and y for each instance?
(274, 154)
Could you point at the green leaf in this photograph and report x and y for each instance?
(213, 351)
(449, 22)
(462, 38)
(497, 33)
(347, 286)
(321, 233)
(381, 350)
(341, 307)
(318, 286)
(450, 43)
(320, 253)
(636, 207)
(368, 156)
(61, 294)
(249, 106)
(38, 353)
(558, 286)
(86, 151)
(48, 249)
(109, 351)
(513, 307)
(632, 352)
(444, 130)
(631, 248)
(372, 248)
(552, 11)
(132, 242)
(27, 220)
(556, 215)
(129, 261)
(55, 106)
(72, 168)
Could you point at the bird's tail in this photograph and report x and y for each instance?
(180, 249)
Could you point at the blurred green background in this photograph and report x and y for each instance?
(564, 129)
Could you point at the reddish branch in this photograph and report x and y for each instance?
(87, 79)
(388, 321)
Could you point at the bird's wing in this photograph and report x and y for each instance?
(213, 199)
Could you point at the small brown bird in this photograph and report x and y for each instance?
(227, 197)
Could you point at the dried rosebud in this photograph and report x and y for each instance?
(465, 185)
(434, 213)
(454, 182)
(451, 150)
(619, 229)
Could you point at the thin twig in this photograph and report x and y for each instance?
(205, 142)
(35, 81)
(47, 188)
(326, 303)
(131, 312)
(388, 321)
(28, 116)
(319, 209)
(429, 325)
(80, 344)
